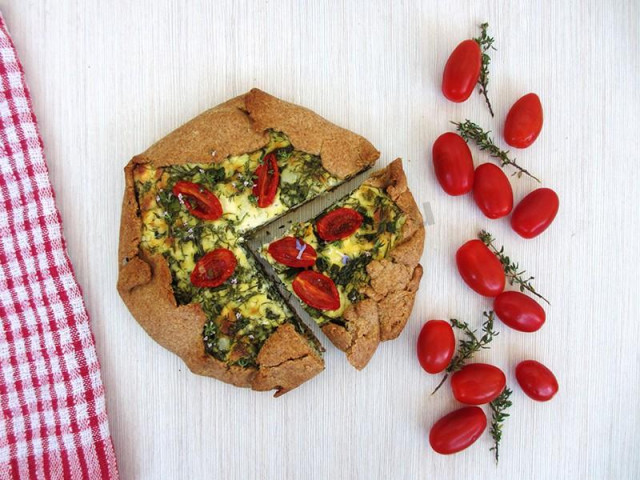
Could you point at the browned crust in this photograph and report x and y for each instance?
(286, 360)
(240, 125)
(237, 126)
(394, 281)
(343, 153)
(177, 328)
(210, 137)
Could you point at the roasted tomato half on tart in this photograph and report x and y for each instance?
(293, 252)
(316, 290)
(214, 268)
(266, 185)
(199, 201)
(338, 224)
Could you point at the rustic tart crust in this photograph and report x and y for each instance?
(394, 280)
(237, 126)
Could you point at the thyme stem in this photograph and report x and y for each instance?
(469, 346)
(486, 43)
(444, 379)
(471, 131)
(498, 416)
(511, 269)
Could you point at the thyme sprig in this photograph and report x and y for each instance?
(468, 346)
(511, 269)
(471, 131)
(498, 416)
(486, 43)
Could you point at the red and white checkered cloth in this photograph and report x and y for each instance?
(54, 422)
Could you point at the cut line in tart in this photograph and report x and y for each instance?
(192, 199)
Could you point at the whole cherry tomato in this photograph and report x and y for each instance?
(199, 201)
(453, 164)
(214, 268)
(480, 268)
(461, 71)
(536, 380)
(293, 252)
(477, 383)
(316, 290)
(535, 212)
(268, 175)
(518, 311)
(338, 224)
(436, 344)
(457, 430)
(492, 191)
(524, 121)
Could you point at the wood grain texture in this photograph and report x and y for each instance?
(109, 78)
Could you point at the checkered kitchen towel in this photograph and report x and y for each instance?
(53, 423)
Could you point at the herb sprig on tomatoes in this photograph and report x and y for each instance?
(472, 131)
(511, 268)
(468, 346)
(486, 44)
(498, 416)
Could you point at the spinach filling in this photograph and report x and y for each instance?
(303, 178)
(244, 311)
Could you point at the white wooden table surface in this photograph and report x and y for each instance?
(110, 77)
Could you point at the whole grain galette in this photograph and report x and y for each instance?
(185, 270)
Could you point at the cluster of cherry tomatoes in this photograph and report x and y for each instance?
(479, 383)
(474, 384)
(492, 192)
